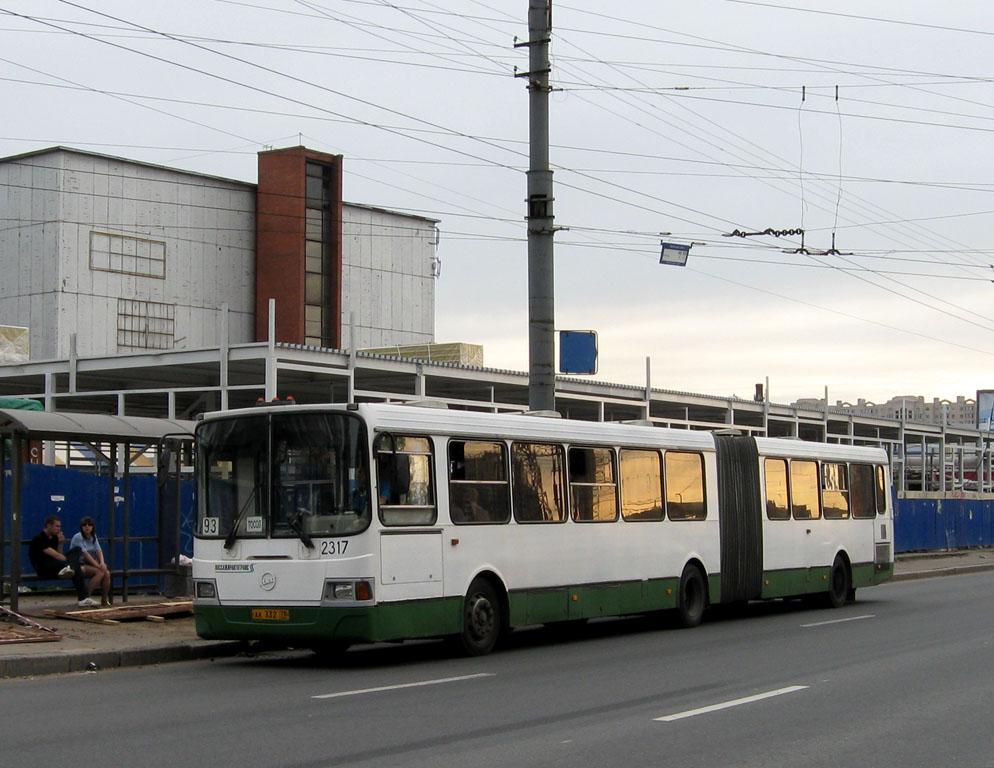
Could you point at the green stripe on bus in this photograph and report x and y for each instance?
(801, 581)
(591, 601)
(441, 616)
(386, 621)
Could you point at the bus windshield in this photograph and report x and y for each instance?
(292, 475)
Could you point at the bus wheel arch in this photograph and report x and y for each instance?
(692, 595)
(840, 589)
(484, 618)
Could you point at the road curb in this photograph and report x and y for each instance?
(81, 661)
(955, 570)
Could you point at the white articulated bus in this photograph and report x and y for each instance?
(330, 525)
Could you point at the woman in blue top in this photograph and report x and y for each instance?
(92, 561)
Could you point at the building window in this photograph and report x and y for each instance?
(145, 324)
(127, 255)
(319, 255)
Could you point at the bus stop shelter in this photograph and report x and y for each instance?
(21, 428)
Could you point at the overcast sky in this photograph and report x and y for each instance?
(870, 121)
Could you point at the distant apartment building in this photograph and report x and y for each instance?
(129, 256)
(962, 412)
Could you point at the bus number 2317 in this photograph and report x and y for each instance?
(334, 547)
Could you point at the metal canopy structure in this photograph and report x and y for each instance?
(91, 428)
(180, 384)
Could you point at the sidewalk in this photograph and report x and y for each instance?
(141, 642)
(129, 643)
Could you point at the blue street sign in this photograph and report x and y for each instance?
(578, 352)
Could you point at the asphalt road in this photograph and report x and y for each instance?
(903, 677)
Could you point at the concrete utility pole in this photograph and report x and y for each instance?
(541, 275)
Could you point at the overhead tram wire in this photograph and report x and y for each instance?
(984, 187)
(711, 122)
(429, 197)
(939, 309)
(730, 47)
(231, 81)
(132, 102)
(910, 287)
(399, 132)
(291, 77)
(360, 26)
(687, 92)
(865, 18)
(717, 45)
(438, 29)
(842, 314)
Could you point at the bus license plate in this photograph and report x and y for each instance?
(270, 614)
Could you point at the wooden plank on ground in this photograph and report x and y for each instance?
(15, 628)
(80, 615)
(116, 614)
(16, 634)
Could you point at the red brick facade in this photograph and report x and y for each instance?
(280, 243)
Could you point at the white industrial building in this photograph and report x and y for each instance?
(128, 256)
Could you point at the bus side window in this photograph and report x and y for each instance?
(805, 499)
(777, 495)
(478, 486)
(881, 493)
(404, 480)
(641, 484)
(684, 486)
(537, 486)
(592, 485)
(861, 492)
(835, 490)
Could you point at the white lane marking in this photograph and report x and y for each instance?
(440, 681)
(839, 621)
(729, 704)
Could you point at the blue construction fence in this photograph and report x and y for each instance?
(71, 495)
(942, 523)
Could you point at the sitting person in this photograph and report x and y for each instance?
(45, 553)
(92, 560)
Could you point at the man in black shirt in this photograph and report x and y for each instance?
(45, 553)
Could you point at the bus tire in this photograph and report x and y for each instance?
(839, 584)
(692, 598)
(481, 619)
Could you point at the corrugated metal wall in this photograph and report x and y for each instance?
(931, 524)
(71, 495)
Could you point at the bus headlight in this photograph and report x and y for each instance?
(206, 590)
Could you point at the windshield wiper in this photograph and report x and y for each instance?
(229, 542)
(294, 522)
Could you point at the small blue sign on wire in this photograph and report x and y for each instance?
(674, 254)
(578, 352)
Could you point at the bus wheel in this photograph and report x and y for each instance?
(692, 599)
(839, 584)
(481, 619)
